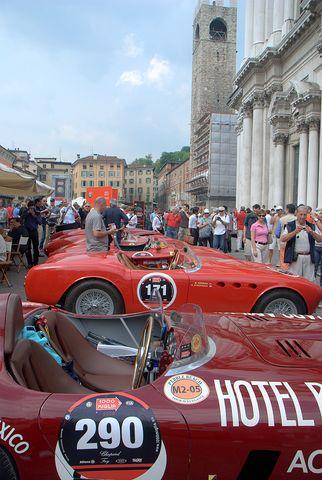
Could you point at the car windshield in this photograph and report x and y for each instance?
(191, 337)
(192, 263)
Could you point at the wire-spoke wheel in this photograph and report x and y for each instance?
(281, 302)
(94, 297)
(94, 302)
(281, 306)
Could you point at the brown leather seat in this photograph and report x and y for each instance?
(95, 370)
(14, 323)
(34, 368)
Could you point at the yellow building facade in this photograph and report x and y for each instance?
(98, 171)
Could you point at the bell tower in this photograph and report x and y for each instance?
(213, 58)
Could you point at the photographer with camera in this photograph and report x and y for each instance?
(300, 238)
(32, 220)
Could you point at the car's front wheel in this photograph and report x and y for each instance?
(94, 297)
(281, 302)
(7, 467)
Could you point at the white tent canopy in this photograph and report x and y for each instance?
(13, 182)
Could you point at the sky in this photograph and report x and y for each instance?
(97, 76)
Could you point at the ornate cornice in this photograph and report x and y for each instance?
(299, 27)
(280, 138)
(314, 124)
(302, 127)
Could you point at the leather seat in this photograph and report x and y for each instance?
(95, 370)
(33, 367)
(14, 323)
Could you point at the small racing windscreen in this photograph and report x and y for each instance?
(191, 338)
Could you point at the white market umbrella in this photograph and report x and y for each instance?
(13, 182)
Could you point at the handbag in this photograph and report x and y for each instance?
(205, 231)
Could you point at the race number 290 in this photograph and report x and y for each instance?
(110, 432)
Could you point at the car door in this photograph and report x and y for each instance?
(119, 436)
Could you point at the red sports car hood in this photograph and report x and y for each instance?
(288, 340)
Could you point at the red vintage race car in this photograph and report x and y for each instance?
(235, 396)
(71, 238)
(123, 281)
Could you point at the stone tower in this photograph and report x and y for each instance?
(213, 137)
(213, 58)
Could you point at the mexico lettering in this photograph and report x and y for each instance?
(14, 440)
(241, 403)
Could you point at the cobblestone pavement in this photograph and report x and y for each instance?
(17, 279)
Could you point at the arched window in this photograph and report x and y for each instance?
(218, 30)
(197, 33)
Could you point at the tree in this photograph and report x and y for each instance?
(147, 160)
(172, 157)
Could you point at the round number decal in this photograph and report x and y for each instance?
(156, 283)
(105, 434)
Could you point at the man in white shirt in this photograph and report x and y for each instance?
(300, 242)
(133, 219)
(220, 223)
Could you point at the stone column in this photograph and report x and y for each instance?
(313, 164)
(238, 168)
(257, 152)
(248, 42)
(288, 16)
(271, 177)
(320, 158)
(268, 20)
(289, 177)
(302, 182)
(247, 155)
(258, 27)
(266, 154)
(278, 18)
(279, 161)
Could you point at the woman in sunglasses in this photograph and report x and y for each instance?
(259, 238)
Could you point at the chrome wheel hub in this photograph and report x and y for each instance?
(281, 306)
(94, 302)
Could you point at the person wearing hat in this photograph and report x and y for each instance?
(220, 223)
(205, 229)
(275, 243)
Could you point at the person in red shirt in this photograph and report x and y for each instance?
(10, 211)
(240, 217)
(173, 222)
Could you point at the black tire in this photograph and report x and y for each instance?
(73, 296)
(266, 302)
(8, 470)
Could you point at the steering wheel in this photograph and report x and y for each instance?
(142, 355)
(142, 254)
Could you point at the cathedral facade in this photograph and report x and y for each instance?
(278, 98)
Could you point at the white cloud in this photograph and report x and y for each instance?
(130, 47)
(158, 70)
(133, 77)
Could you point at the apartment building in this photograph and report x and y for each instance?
(57, 174)
(98, 171)
(139, 184)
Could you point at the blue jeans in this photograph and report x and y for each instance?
(43, 236)
(318, 262)
(172, 232)
(220, 242)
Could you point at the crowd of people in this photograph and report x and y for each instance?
(259, 232)
(34, 220)
(293, 233)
